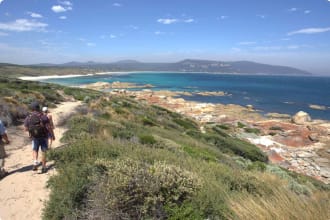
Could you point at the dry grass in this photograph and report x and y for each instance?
(281, 204)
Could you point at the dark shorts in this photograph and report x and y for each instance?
(40, 143)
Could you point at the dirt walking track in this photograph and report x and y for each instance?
(23, 192)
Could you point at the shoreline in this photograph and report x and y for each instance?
(311, 108)
(300, 147)
(36, 78)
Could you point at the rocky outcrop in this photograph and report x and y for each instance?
(301, 118)
(114, 85)
(293, 146)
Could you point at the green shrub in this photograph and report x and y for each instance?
(119, 110)
(223, 126)
(252, 130)
(186, 123)
(68, 192)
(137, 190)
(219, 131)
(243, 182)
(257, 165)
(81, 126)
(299, 189)
(240, 124)
(186, 211)
(148, 121)
(198, 152)
(147, 139)
(81, 94)
(276, 128)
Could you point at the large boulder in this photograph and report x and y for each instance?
(301, 118)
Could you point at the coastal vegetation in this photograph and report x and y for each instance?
(124, 159)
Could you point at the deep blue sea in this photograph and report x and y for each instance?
(281, 94)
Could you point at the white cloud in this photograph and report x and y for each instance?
(23, 25)
(67, 3)
(35, 15)
(63, 7)
(159, 32)
(190, 20)
(111, 36)
(133, 27)
(261, 16)
(1, 1)
(222, 17)
(293, 47)
(267, 48)
(91, 44)
(116, 4)
(307, 11)
(58, 8)
(247, 43)
(309, 31)
(292, 9)
(174, 20)
(62, 17)
(3, 34)
(167, 20)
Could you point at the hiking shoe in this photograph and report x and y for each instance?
(44, 170)
(35, 167)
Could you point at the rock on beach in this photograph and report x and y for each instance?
(301, 118)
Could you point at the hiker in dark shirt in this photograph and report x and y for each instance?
(3, 140)
(46, 112)
(38, 126)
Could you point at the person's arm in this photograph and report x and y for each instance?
(51, 121)
(5, 137)
(50, 130)
(26, 124)
(3, 133)
(48, 126)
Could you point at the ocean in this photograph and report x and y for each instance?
(280, 94)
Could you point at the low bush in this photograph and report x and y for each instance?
(198, 152)
(136, 190)
(240, 124)
(186, 123)
(252, 130)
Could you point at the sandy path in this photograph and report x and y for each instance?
(23, 192)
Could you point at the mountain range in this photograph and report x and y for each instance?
(188, 65)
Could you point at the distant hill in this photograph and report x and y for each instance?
(191, 65)
(188, 65)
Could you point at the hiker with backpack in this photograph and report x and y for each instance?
(50, 117)
(38, 126)
(3, 140)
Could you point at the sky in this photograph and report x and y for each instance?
(294, 33)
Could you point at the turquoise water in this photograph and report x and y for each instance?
(281, 94)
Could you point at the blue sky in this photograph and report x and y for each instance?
(285, 32)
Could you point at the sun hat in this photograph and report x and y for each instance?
(44, 109)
